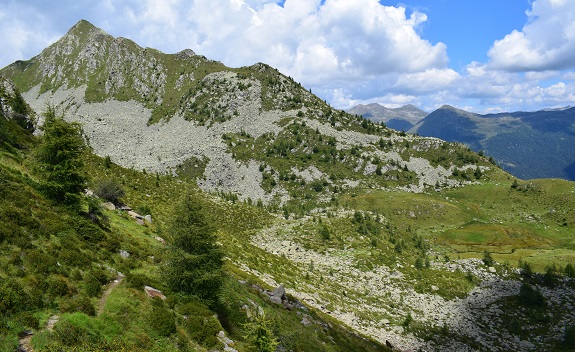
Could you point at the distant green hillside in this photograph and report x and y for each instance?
(529, 145)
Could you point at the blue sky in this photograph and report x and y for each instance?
(478, 55)
(467, 27)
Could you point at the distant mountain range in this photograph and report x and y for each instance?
(538, 144)
(402, 118)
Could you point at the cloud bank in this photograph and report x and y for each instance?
(347, 52)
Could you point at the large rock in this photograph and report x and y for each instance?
(152, 292)
(278, 295)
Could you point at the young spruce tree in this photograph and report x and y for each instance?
(194, 259)
(60, 159)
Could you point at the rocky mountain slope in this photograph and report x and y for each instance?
(157, 112)
(361, 224)
(402, 118)
(529, 145)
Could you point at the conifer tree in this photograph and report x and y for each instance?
(59, 159)
(260, 334)
(195, 260)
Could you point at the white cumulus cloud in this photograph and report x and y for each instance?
(546, 42)
(346, 51)
(427, 81)
(19, 34)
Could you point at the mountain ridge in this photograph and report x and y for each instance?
(537, 144)
(154, 111)
(401, 118)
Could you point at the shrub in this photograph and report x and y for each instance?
(145, 209)
(13, 298)
(94, 280)
(324, 233)
(317, 185)
(526, 269)
(28, 320)
(200, 324)
(137, 281)
(408, 320)
(419, 263)
(58, 286)
(79, 303)
(110, 190)
(528, 296)
(161, 319)
(478, 173)
(488, 259)
(42, 263)
(75, 329)
(569, 270)
(89, 231)
(96, 212)
(71, 255)
(399, 246)
(107, 162)
(550, 277)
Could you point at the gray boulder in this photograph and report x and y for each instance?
(278, 295)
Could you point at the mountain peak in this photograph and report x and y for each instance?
(447, 107)
(84, 26)
(455, 110)
(377, 112)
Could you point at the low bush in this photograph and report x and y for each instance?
(96, 212)
(110, 190)
(79, 303)
(75, 329)
(58, 286)
(28, 320)
(94, 280)
(200, 324)
(161, 319)
(41, 262)
(13, 298)
(89, 231)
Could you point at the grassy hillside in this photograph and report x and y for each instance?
(58, 262)
(529, 220)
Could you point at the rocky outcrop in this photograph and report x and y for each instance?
(338, 287)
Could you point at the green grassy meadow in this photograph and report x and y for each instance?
(535, 224)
